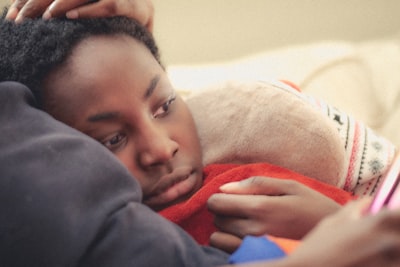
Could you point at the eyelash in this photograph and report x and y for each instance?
(165, 107)
(109, 143)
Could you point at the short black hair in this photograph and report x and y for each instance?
(29, 51)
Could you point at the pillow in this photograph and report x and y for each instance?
(245, 122)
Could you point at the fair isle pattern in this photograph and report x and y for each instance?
(369, 155)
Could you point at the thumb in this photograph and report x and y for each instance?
(224, 241)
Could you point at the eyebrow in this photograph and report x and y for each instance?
(108, 116)
(105, 116)
(152, 86)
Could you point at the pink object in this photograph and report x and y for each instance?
(389, 192)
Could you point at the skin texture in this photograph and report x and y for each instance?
(141, 10)
(124, 100)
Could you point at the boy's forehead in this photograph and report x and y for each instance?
(111, 39)
(102, 48)
(97, 66)
(107, 61)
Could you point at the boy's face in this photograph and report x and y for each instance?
(112, 89)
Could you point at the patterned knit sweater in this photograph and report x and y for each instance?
(368, 154)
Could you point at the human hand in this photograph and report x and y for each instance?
(141, 10)
(348, 238)
(351, 238)
(261, 205)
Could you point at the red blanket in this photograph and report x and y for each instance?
(193, 215)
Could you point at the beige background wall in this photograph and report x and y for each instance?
(196, 31)
(4, 2)
(211, 30)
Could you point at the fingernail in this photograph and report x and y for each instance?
(12, 13)
(228, 186)
(52, 5)
(19, 19)
(73, 14)
(47, 15)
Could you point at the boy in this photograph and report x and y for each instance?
(104, 78)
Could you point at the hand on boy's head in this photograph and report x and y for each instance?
(254, 206)
(142, 11)
(20, 9)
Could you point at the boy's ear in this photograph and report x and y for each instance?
(267, 122)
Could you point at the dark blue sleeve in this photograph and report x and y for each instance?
(67, 201)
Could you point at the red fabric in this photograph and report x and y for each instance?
(193, 215)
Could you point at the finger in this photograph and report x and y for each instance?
(389, 219)
(352, 211)
(242, 205)
(259, 185)
(355, 209)
(31, 8)
(226, 204)
(59, 8)
(94, 10)
(240, 227)
(12, 13)
(13, 9)
(225, 241)
(142, 12)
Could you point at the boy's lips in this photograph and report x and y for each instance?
(172, 187)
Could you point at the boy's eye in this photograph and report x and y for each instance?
(164, 109)
(115, 141)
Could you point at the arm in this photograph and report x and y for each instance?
(348, 238)
(141, 10)
(67, 201)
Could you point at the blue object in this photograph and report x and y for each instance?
(255, 249)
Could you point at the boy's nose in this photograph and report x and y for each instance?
(156, 148)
